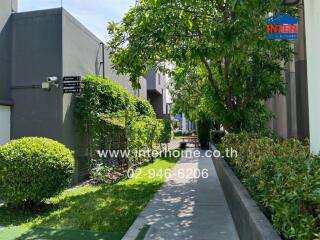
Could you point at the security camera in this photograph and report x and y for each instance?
(52, 80)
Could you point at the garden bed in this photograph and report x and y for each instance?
(250, 222)
(282, 178)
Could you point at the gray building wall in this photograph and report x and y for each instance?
(291, 111)
(6, 8)
(290, 75)
(36, 55)
(284, 107)
(156, 81)
(156, 92)
(83, 54)
(39, 44)
(142, 92)
(302, 81)
(51, 43)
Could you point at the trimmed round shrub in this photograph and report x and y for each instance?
(33, 169)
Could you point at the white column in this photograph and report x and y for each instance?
(312, 21)
(5, 114)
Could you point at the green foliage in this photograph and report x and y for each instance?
(104, 108)
(290, 189)
(203, 128)
(99, 173)
(95, 208)
(219, 50)
(143, 107)
(283, 178)
(101, 96)
(144, 134)
(33, 169)
(216, 136)
(166, 132)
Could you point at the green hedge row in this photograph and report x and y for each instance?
(102, 98)
(283, 178)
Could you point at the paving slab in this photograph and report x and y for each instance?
(187, 207)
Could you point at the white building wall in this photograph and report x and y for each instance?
(312, 21)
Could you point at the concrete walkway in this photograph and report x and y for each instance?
(187, 208)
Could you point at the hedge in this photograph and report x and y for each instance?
(102, 100)
(101, 96)
(167, 131)
(283, 178)
(33, 169)
(143, 107)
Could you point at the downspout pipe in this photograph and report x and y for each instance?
(102, 63)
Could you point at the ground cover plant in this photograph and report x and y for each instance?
(109, 208)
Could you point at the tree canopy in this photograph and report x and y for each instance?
(223, 63)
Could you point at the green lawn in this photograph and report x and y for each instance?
(98, 209)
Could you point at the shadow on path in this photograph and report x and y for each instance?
(188, 207)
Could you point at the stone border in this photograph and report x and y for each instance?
(250, 222)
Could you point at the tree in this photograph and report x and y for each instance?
(166, 132)
(186, 91)
(218, 44)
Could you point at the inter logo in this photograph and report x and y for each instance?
(282, 26)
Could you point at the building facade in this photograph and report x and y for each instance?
(156, 92)
(291, 111)
(37, 45)
(40, 44)
(312, 20)
(297, 114)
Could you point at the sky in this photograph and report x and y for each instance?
(94, 14)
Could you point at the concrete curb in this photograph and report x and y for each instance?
(250, 222)
(137, 226)
(1, 227)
